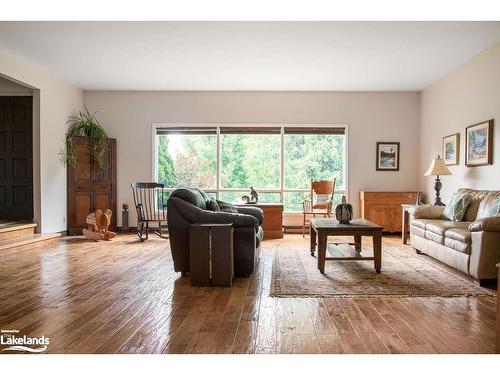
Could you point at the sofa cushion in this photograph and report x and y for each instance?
(441, 226)
(418, 231)
(456, 207)
(434, 237)
(489, 206)
(459, 234)
(421, 223)
(460, 246)
(212, 205)
(227, 207)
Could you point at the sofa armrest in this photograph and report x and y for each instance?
(487, 224)
(427, 211)
(256, 212)
(195, 214)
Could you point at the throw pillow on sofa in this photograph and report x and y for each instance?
(212, 205)
(456, 207)
(227, 207)
(490, 206)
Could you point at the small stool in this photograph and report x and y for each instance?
(211, 254)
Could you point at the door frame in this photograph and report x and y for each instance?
(35, 94)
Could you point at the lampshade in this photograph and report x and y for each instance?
(437, 168)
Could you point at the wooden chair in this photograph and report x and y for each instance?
(151, 208)
(320, 202)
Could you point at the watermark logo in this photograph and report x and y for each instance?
(22, 343)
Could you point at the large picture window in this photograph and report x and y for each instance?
(279, 162)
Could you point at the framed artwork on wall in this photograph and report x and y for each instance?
(451, 149)
(479, 144)
(387, 156)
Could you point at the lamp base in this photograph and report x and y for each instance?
(437, 187)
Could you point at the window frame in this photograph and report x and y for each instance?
(218, 126)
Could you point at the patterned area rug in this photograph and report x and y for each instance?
(404, 274)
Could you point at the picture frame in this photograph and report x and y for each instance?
(451, 149)
(479, 144)
(388, 156)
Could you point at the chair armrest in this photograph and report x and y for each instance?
(486, 224)
(256, 212)
(195, 214)
(427, 211)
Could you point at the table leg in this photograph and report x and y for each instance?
(404, 226)
(312, 239)
(321, 252)
(357, 242)
(377, 250)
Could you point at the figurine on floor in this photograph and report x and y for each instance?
(97, 226)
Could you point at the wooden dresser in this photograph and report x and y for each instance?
(384, 207)
(89, 187)
(273, 219)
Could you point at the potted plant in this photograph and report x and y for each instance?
(84, 124)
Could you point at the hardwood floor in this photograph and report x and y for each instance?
(123, 297)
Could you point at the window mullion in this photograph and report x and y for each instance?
(282, 163)
(219, 162)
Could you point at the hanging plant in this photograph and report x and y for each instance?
(84, 124)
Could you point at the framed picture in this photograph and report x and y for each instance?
(387, 156)
(479, 144)
(451, 149)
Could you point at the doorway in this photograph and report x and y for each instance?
(16, 158)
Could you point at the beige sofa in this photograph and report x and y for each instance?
(471, 246)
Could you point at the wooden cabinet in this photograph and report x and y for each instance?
(384, 208)
(89, 187)
(273, 219)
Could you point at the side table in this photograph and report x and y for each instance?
(211, 254)
(407, 209)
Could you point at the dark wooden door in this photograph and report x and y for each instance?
(89, 187)
(16, 158)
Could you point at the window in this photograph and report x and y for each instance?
(279, 162)
(187, 157)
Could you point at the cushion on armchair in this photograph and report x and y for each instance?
(227, 207)
(212, 205)
(457, 206)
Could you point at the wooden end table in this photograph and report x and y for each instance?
(321, 228)
(407, 209)
(211, 254)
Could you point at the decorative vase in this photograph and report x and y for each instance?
(343, 212)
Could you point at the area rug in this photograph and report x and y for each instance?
(404, 274)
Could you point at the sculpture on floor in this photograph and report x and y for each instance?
(97, 226)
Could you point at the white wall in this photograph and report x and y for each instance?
(466, 96)
(55, 100)
(371, 117)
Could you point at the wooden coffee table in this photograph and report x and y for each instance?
(322, 228)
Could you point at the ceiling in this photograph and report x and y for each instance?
(267, 56)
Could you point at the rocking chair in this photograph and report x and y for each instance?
(151, 207)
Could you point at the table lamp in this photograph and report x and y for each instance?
(438, 168)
